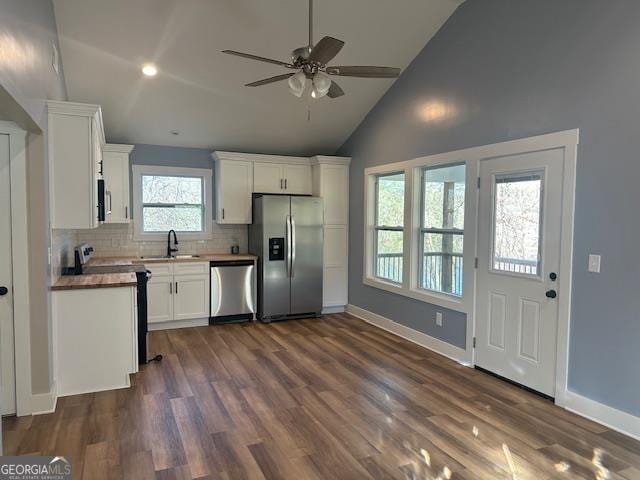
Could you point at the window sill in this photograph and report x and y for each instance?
(457, 304)
(162, 237)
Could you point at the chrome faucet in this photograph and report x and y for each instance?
(171, 251)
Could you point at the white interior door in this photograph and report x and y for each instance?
(7, 358)
(520, 207)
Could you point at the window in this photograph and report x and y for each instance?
(442, 229)
(167, 198)
(388, 228)
(517, 220)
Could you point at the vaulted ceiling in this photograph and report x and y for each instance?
(199, 92)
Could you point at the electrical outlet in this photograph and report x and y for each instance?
(439, 319)
(594, 263)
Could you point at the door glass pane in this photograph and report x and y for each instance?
(164, 189)
(518, 212)
(183, 218)
(389, 255)
(390, 200)
(442, 262)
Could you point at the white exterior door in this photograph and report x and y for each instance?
(7, 358)
(520, 207)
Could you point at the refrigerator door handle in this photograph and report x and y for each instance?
(288, 246)
(293, 245)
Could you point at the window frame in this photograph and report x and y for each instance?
(207, 195)
(410, 287)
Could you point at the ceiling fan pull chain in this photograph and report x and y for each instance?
(309, 113)
(310, 24)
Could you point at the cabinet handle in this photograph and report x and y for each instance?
(126, 212)
(285, 183)
(101, 168)
(170, 288)
(281, 187)
(223, 213)
(176, 288)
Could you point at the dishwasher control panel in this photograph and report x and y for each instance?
(276, 249)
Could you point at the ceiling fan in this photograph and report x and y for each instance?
(311, 63)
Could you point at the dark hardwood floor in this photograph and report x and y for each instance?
(331, 398)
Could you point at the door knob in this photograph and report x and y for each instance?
(551, 294)
(3, 291)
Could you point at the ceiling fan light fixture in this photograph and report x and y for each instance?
(321, 85)
(297, 84)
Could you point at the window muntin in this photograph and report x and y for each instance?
(388, 229)
(517, 221)
(442, 229)
(172, 202)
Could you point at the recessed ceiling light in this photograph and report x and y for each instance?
(149, 69)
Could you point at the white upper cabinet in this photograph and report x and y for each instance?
(115, 169)
(297, 179)
(285, 178)
(234, 186)
(76, 138)
(267, 178)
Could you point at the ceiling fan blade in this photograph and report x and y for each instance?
(365, 72)
(266, 81)
(325, 50)
(259, 59)
(335, 91)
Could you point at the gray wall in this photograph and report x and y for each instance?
(506, 69)
(169, 157)
(28, 31)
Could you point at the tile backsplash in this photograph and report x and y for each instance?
(113, 240)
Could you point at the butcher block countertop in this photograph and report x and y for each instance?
(101, 280)
(209, 257)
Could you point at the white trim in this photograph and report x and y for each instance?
(205, 173)
(441, 347)
(20, 264)
(255, 157)
(613, 418)
(324, 160)
(118, 148)
(42, 403)
(79, 109)
(172, 324)
(328, 310)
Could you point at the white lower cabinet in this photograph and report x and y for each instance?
(95, 339)
(177, 292)
(191, 297)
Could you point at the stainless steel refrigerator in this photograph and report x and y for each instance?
(287, 237)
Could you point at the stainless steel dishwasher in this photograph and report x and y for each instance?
(232, 291)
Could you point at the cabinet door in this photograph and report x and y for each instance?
(297, 179)
(267, 178)
(234, 182)
(160, 299)
(191, 297)
(335, 193)
(116, 177)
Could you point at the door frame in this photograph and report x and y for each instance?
(20, 264)
(568, 141)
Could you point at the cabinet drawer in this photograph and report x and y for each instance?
(191, 268)
(159, 269)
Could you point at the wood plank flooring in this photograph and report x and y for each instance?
(330, 398)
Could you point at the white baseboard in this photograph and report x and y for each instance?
(443, 348)
(196, 322)
(336, 309)
(42, 403)
(613, 418)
